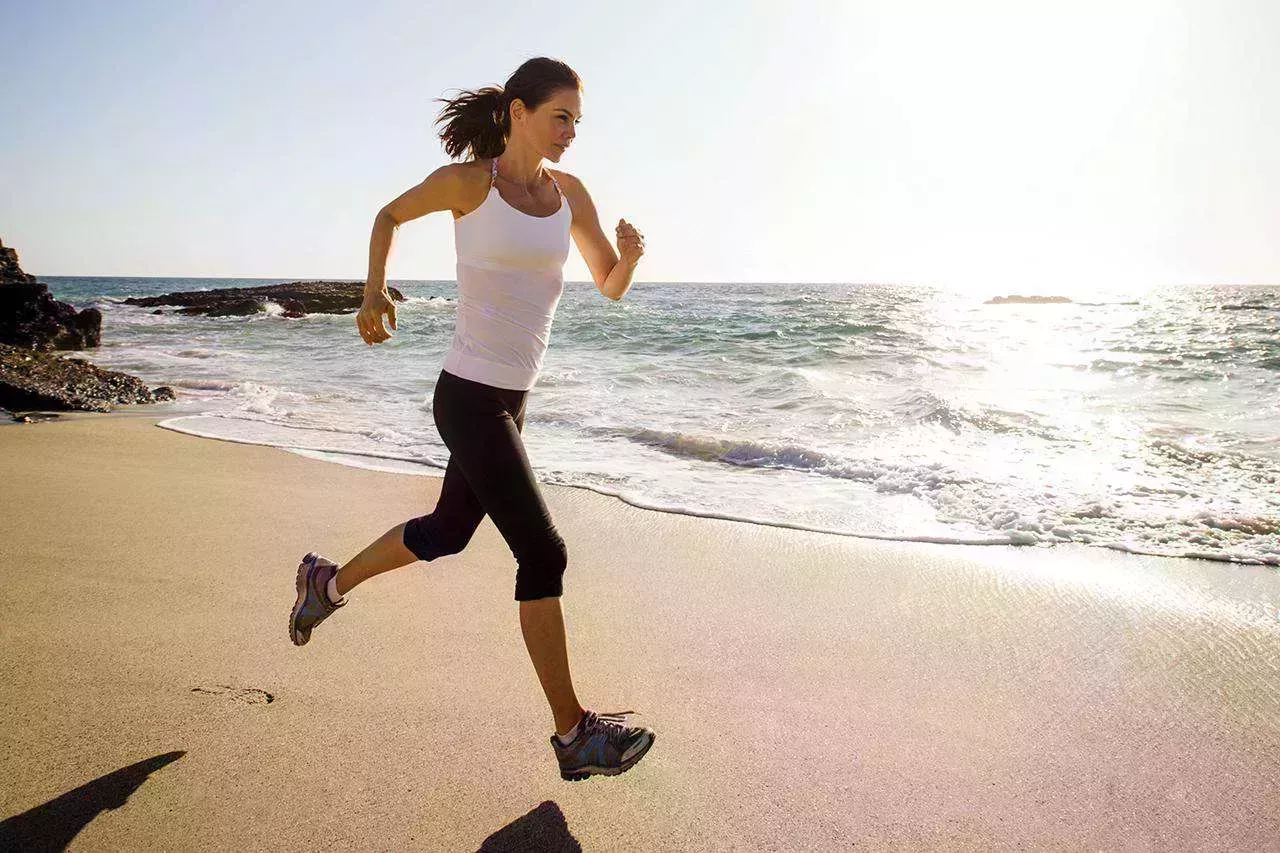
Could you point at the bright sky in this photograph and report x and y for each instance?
(1009, 147)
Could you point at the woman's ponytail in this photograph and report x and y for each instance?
(478, 123)
(475, 121)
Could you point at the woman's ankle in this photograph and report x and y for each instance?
(573, 725)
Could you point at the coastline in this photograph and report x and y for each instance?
(809, 690)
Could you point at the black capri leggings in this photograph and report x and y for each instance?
(489, 472)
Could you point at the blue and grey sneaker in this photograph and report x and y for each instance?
(312, 606)
(604, 745)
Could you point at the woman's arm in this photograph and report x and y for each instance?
(438, 191)
(611, 274)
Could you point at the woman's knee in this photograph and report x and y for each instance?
(428, 541)
(540, 571)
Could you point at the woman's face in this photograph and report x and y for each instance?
(551, 128)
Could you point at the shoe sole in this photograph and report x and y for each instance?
(297, 604)
(592, 770)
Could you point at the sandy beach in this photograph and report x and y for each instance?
(809, 691)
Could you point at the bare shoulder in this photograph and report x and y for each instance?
(580, 203)
(467, 173)
(568, 181)
(469, 180)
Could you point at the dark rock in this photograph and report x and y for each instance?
(30, 317)
(31, 379)
(32, 322)
(34, 418)
(9, 268)
(298, 299)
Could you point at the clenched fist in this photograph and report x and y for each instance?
(630, 242)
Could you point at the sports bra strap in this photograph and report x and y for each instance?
(493, 175)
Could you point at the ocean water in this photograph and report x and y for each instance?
(1145, 421)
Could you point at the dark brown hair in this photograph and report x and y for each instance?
(479, 121)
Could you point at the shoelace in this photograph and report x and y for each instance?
(613, 724)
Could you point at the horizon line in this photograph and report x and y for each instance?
(352, 280)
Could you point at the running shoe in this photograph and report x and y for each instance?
(312, 606)
(604, 745)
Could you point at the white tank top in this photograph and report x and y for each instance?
(510, 278)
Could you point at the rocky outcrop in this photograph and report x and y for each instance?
(30, 317)
(32, 380)
(298, 299)
(10, 270)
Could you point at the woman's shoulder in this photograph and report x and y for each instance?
(464, 173)
(469, 184)
(568, 183)
(474, 171)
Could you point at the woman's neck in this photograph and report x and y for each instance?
(522, 167)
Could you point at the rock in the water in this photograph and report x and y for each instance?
(298, 299)
(24, 418)
(30, 317)
(31, 379)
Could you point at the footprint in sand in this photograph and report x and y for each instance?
(249, 695)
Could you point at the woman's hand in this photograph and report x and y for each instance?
(369, 320)
(630, 243)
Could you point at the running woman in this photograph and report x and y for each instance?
(513, 218)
